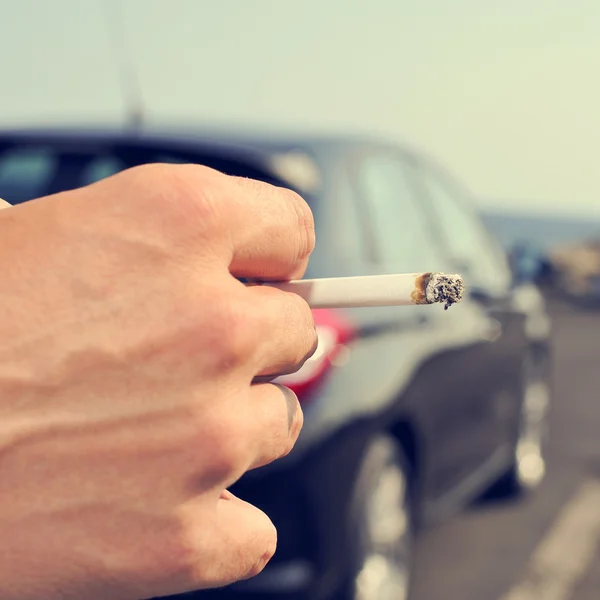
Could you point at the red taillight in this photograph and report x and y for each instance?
(334, 332)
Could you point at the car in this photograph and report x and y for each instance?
(576, 272)
(410, 413)
(560, 252)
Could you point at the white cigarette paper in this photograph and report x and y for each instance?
(377, 290)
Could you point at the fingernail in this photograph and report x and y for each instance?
(291, 402)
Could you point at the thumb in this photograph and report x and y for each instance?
(4, 204)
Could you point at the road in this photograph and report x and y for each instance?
(546, 547)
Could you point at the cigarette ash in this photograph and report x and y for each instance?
(445, 289)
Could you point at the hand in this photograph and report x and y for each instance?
(128, 349)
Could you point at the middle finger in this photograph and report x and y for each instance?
(287, 331)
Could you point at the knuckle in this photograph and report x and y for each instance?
(286, 446)
(230, 457)
(224, 330)
(283, 428)
(292, 436)
(290, 328)
(311, 340)
(242, 558)
(268, 546)
(180, 194)
(181, 559)
(305, 224)
(219, 557)
(225, 440)
(235, 333)
(280, 443)
(296, 428)
(302, 325)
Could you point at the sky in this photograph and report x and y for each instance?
(504, 93)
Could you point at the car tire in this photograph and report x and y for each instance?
(528, 466)
(381, 526)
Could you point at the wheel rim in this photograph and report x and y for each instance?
(530, 461)
(385, 570)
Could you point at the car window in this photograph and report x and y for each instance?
(171, 159)
(466, 237)
(403, 237)
(25, 172)
(100, 167)
(341, 227)
(32, 170)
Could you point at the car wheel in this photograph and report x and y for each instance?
(382, 525)
(529, 465)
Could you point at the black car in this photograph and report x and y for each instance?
(411, 413)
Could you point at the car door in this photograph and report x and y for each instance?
(439, 345)
(484, 265)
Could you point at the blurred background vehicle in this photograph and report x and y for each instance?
(576, 272)
(540, 230)
(561, 254)
(411, 413)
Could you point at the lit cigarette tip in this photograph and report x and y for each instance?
(442, 288)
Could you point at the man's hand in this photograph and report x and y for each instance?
(128, 351)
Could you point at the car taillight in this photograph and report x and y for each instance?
(334, 332)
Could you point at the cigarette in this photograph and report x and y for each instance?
(376, 290)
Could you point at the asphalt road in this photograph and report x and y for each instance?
(546, 547)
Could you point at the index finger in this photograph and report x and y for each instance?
(272, 231)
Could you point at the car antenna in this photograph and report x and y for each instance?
(128, 75)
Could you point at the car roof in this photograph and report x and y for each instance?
(266, 139)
